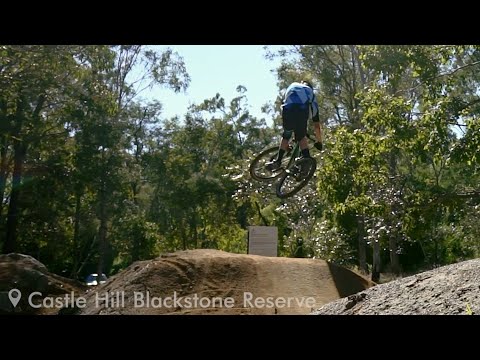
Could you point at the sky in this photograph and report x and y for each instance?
(220, 69)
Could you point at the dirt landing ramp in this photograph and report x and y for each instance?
(217, 282)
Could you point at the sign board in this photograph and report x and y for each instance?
(262, 240)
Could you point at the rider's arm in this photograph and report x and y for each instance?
(316, 121)
(318, 131)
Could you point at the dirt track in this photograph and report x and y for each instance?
(215, 276)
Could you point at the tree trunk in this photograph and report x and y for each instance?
(194, 231)
(393, 238)
(363, 78)
(4, 130)
(12, 216)
(265, 222)
(135, 237)
(136, 243)
(376, 261)
(3, 170)
(76, 234)
(135, 247)
(394, 261)
(89, 253)
(362, 246)
(19, 152)
(102, 230)
(184, 236)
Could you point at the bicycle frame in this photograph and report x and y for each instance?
(296, 152)
(294, 155)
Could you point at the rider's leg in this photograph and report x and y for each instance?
(283, 145)
(302, 139)
(301, 135)
(288, 125)
(304, 168)
(275, 164)
(304, 147)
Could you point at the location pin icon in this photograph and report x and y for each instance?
(14, 295)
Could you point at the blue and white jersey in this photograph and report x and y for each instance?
(298, 93)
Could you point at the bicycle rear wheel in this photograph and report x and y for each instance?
(257, 167)
(290, 183)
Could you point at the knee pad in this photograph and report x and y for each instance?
(287, 134)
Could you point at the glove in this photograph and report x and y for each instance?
(318, 145)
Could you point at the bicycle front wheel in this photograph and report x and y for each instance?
(292, 181)
(257, 167)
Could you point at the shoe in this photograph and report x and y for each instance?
(273, 165)
(302, 170)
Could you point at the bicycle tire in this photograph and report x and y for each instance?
(281, 188)
(257, 166)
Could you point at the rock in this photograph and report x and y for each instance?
(447, 290)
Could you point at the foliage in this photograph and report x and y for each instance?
(91, 175)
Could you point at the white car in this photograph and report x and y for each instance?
(92, 279)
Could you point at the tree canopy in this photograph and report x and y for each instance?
(93, 177)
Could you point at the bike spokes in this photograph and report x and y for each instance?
(258, 169)
(294, 179)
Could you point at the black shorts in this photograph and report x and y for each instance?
(296, 118)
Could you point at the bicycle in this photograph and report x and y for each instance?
(291, 173)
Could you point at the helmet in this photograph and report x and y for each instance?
(308, 83)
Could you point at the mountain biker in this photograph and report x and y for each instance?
(299, 105)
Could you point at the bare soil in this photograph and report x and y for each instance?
(28, 275)
(249, 281)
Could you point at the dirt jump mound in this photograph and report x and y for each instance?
(448, 290)
(25, 275)
(217, 282)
